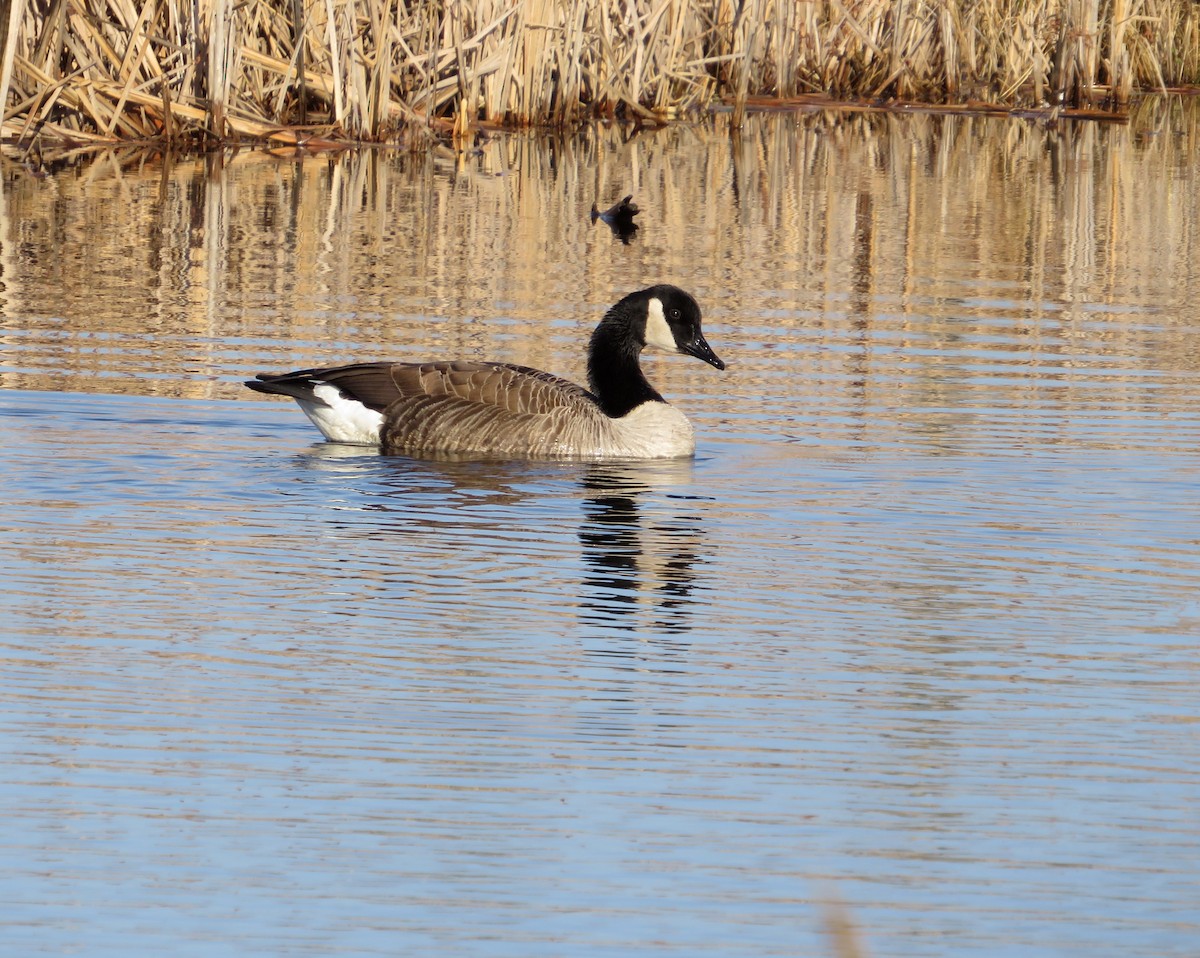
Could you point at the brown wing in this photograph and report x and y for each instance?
(473, 407)
(517, 389)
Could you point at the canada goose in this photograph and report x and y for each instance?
(466, 408)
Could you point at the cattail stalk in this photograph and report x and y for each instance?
(382, 69)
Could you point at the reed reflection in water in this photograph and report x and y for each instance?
(916, 628)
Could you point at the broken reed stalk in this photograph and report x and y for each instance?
(370, 69)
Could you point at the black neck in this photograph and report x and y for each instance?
(614, 369)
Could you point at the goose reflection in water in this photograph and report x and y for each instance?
(640, 570)
(639, 531)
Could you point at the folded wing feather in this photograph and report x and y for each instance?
(462, 406)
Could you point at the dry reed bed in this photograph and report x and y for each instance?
(85, 70)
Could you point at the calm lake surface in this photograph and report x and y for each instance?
(912, 642)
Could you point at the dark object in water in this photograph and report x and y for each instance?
(619, 218)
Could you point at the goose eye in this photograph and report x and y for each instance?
(676, 313)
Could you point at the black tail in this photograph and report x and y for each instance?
(297, 385)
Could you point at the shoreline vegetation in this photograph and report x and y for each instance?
(334, 73)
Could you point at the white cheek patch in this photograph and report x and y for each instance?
(658, 333)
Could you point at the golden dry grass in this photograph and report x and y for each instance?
(379, 70)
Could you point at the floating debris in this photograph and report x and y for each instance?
(619, 218)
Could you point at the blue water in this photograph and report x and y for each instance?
(277, 697)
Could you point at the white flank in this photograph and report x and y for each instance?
(340, 418)
(658, 333)
(654, 430)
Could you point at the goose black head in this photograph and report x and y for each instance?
(673, 324)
